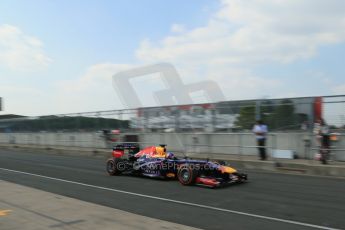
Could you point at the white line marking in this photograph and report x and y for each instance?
(176, 201)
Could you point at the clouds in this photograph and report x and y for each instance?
(243, 35)
(19, 99)
(21, 55)
(340, 89)
(21, 52)
(92, 91)
(237, 41)
(178, 28)
(255, 32)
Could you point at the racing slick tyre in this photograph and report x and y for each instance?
(241, 177)
(113, 167)
(186, 175)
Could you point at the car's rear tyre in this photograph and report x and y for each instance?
(187, 175)
(113, 167)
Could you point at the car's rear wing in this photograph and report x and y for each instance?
(127, 148)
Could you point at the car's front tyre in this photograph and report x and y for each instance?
(187, 175)
(241, 177)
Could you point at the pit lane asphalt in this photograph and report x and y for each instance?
(313, 200)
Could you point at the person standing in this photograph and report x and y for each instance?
(260, 130)
(321, 130)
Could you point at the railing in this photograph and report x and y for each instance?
(291, 114)
(302, 145)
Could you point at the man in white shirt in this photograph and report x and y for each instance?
(322, 132)
(260, 130)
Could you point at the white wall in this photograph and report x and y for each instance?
(218, 143)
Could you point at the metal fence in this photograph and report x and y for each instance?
(293, 114)
(334, 111)
(219, 128)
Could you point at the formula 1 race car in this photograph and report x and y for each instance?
(154, 161)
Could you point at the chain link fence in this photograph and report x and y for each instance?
(219, 128)
(294, 114)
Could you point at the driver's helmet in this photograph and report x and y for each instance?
(170, 155)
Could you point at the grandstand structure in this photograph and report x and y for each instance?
(283, 114)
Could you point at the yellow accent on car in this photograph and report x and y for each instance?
(4, 212)
(170, 175)
(226, 169)
(160, 151)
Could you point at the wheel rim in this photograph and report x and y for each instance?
(110, 167)
(185, 175)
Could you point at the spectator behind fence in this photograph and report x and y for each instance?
(322, 132)
(260, 130)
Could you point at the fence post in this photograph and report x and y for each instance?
(162, 138)
(209, 145)
(311, 158)
(184, 143)
(274, 145)
(240, 149)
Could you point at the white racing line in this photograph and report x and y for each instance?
(175, 201)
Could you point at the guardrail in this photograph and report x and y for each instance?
(302, 145)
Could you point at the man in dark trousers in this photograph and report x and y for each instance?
(260, 130)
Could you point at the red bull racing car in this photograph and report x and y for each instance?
(155, 161)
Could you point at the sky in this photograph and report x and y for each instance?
(60, 56)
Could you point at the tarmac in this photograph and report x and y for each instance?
(268, 200)
(26, 208)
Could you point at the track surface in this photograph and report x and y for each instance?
(312, 200)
